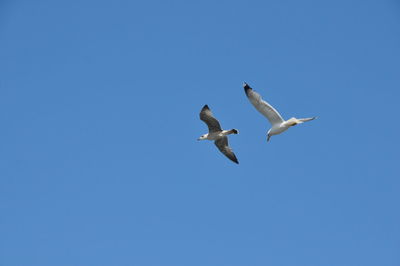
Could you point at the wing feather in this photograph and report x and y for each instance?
(223, 146)
(207, 117)
(262, 106)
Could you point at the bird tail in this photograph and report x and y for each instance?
(233, 131)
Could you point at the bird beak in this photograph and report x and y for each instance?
(198, 139)
(268, 137)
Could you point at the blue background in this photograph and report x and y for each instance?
(99, 105)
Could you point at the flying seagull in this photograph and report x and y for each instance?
(216, 133)
(278, 124)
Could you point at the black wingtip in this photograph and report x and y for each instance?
(234, 159)
(246, 87)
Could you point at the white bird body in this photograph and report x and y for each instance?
(279, 125)
(278, 129)
(285, 125)
(217, 135)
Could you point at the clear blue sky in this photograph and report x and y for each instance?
(99, 104)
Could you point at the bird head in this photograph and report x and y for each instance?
(202, 137)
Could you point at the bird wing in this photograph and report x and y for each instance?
(262, 106)
(208, 118)
(223, 146)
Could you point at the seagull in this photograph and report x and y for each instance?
(278, 124)
(216, 133)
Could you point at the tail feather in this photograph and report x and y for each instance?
(234, 131)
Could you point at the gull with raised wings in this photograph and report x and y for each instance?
(216, 133)
(278, 124)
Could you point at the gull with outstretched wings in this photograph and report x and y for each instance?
(278, 124)
(216, 133)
